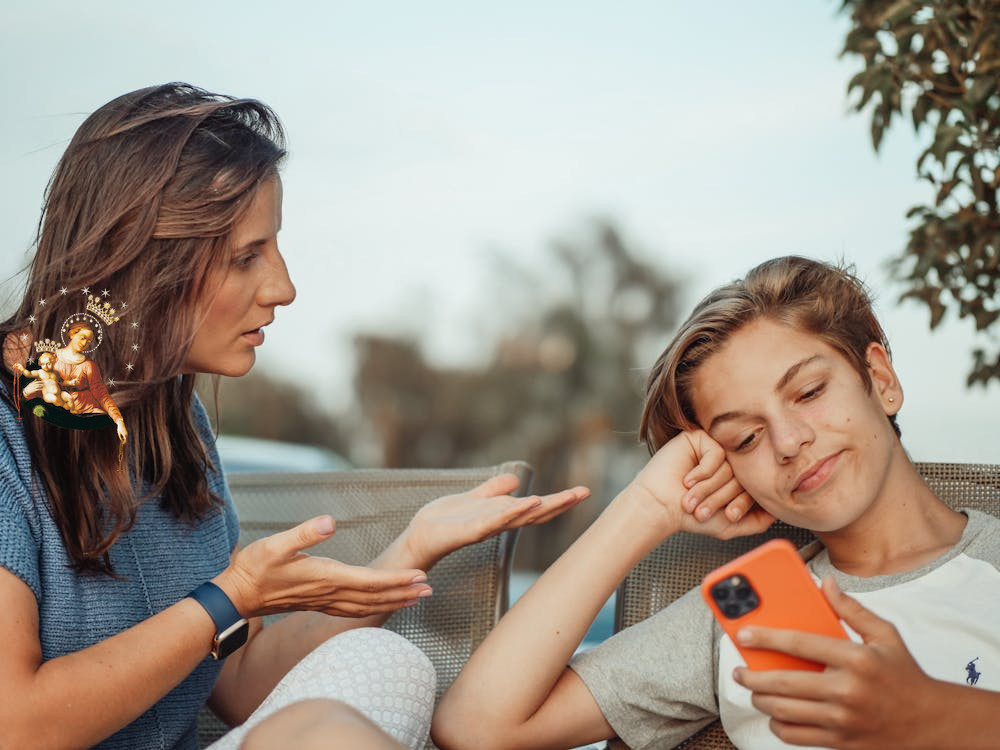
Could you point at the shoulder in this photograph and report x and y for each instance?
(20, 517)
(981, 539)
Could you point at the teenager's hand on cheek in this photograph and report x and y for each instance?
(691, 479)
(871, 696)
(716, 500)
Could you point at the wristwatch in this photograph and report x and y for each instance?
(231, 628)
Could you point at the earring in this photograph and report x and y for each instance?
(891, 400)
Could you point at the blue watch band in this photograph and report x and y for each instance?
(231, 629)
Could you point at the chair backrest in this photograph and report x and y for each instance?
(372, 507)
(680, 563)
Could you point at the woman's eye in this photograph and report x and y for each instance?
(244, 261)
(747, 442)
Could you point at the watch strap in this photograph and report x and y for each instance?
(230, 626)
(219, 606)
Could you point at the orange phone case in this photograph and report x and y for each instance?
(786, 597)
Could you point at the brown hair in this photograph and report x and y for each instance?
(830, 302)
(141, 204)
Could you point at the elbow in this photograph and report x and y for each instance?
(453, 729)
(444, 732)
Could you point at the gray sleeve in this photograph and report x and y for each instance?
(984, 537)
(656, 682)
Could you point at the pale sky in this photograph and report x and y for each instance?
(426, 138)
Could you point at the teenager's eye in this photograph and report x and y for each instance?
(747, 442)
(812, 392)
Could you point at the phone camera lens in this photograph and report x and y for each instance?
(732, 610)
(743, 592)
(720, 593)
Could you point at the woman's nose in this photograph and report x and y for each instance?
(278, 288)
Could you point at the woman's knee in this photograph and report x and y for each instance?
(314, 723)
(377, 672)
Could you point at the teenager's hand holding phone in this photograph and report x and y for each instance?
(871, 695)
(770, 586)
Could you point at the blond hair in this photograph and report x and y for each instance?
(828, 301)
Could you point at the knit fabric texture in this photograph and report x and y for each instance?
(158, 562)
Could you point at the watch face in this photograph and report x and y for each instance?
(231, 639)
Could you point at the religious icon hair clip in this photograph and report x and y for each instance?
(67, 387)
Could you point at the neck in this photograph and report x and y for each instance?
(907, 526)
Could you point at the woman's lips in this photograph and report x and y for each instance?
(255, 338)
(817, 475)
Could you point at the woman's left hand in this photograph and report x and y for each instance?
(122, 432)
(454, 521)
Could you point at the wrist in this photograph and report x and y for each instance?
(410, 552)
(649, 517)
(234, 587)
(231, 627)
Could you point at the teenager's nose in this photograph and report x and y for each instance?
(789, 434)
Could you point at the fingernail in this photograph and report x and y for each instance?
(410, 602)
(690, 502)
(738, 675)
(733, 513)
(744, 636)
(419, 578)
(425, 593)
(704, 513)
(324, 525)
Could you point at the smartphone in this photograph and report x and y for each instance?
(771, 586)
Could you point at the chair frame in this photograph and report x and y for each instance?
(372, 507)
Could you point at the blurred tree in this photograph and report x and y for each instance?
(940, 61)
(258, 405)
(563, 390)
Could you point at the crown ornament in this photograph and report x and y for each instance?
(105, 312)
(46, 345)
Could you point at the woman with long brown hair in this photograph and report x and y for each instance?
(120, 572)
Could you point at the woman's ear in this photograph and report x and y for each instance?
(885, 384)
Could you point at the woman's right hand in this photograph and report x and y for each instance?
(274, 574)
(692, 481)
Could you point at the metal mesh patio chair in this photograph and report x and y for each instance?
(680, 563)
(371, 507)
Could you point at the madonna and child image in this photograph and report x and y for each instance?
(67, 387)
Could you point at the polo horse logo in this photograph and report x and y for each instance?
(973, 675)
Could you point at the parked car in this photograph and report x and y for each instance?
(242, 454)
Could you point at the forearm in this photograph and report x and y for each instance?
(956, 716)
(525, 655)
(81, 698)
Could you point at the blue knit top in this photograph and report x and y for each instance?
(158, 562)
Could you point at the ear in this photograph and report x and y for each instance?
(885, 384)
